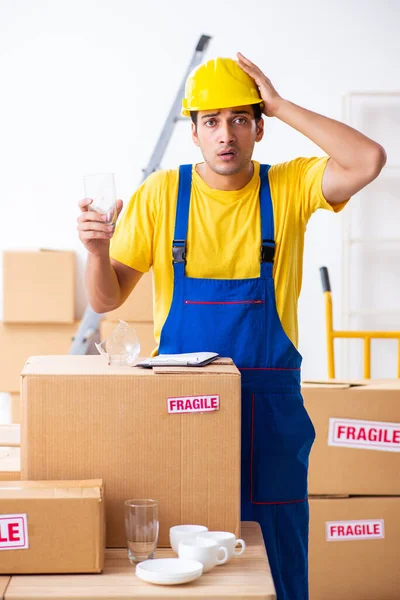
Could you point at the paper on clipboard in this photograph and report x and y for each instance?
(190, 359)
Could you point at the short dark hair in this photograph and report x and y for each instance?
(256, 109)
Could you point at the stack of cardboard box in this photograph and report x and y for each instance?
(354, 488)
(171, 434)
(38, 312)
(137, 311)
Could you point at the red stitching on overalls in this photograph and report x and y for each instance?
(232, 302)
(266, 369)
(251, 465)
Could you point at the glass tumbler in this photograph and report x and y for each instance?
(141, 527)
(100, 187)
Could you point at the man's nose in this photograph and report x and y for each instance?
(226, 133)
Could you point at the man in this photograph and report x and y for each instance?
(225, 241)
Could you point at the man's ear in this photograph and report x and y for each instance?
(259, 130)
(194, 134)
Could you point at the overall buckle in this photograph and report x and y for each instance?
(179, 251)
(268, 251)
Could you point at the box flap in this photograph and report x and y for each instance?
(336, 384)
(52, 489)
(76, 365)
(97, 365)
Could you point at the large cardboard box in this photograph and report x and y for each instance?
(39, 286)
(51, 527)
(19, 341)
(354, 548)
(357, 446)
(82, 418)
(144, 331)
(139, 305)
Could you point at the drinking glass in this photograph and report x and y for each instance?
(141, 527)
(100, 187)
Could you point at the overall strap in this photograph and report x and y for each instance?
(182, 220)
(267, 223)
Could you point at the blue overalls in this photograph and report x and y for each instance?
(238, 318)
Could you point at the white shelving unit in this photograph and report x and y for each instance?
(371, 240)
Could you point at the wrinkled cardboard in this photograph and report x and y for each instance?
(65, 526)
(354, 470)
(38, 286)
(356, 569)
(82, 418)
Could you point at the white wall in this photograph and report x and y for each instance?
(86, 86)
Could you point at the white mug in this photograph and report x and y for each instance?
(203, 550)
(226, 539)
(180, 532)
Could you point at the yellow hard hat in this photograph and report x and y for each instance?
(219, 83)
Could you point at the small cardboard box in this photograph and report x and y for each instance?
(19, 341)
(353, 548)
(51, 527)
(144, 331)
(171, 434)
(39, 286)
(139, 305)
(357, 445)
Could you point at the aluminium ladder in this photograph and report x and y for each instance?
(90, 320)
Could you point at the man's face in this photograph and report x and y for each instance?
(226, 138)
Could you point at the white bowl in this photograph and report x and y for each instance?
(178, 533)
(169, 571)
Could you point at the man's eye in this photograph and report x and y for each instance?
(241, 119)
(210, 122)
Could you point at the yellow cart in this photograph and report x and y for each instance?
(367, 336)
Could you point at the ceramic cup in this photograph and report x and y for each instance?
(204, 550)
(226, 539)
(180, 532)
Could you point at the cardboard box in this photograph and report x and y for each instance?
(145, 333)
(19, 341)
(139, 305)
(353, 548)
(39, 287)
(82, 418)
(357, 446)
(15, 407)
(51, 527)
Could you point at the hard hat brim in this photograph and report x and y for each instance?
(186, 110)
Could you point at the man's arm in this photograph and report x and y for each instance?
(355, 160)
(108, 282)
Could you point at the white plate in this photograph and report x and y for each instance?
(169, 571)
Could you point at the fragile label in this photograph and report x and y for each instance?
(366, 529)
(193, 404)
(13, 532)
(368, 435)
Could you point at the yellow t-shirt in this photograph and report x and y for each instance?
(224, 233)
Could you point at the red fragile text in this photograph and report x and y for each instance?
(10, 532)
(370, 434)
(364, 529)
(13, 532)
(193, 404)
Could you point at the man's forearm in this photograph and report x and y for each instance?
(102, 284)
(347, 146)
